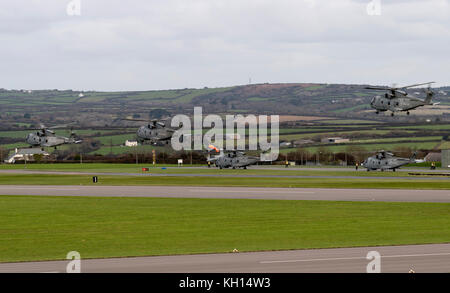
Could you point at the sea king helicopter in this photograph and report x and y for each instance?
(396, 99)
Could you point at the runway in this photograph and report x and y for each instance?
(432, 258)
(243, 175)
(388, 195)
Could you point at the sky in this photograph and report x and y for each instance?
(116, 45)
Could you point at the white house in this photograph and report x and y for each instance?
(25, 154)
(131, 143)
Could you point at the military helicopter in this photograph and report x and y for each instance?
(233, 159)
(155, 131)
(397, 99)
(387, 161)
(45, 137)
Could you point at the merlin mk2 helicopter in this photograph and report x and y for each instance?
(232, 159)
(155, 131)
(387, 161)
(397, 99)
(45, 137)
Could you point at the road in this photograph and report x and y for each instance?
(433, 258)
(391, 195)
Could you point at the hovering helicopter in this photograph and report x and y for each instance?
(385, 160)
(397, 99)
(45, 137)
(155, 131)
(233, 159)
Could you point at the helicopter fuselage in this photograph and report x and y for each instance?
(395, 104)
(153, 134)
(385, 163)
(38, 139)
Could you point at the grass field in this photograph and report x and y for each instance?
(47, 179)
(46, 228)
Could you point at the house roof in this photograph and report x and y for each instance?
(31, 152)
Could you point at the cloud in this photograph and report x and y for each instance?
(138, 45)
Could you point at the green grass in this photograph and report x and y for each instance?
(111, 180)
(47, 228)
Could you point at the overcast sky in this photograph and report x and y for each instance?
(163, 44)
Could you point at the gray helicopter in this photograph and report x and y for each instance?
(387, 161)
(397, 99)
(155, 131)
(232, 159)
(45, 137)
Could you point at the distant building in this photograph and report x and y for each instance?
(445, 158)
(334, 140)
(25, 154)
(131, 143)
(302, 142)
(285, 144)
(433, 157)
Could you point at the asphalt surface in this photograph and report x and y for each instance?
(391, 195)
(433, 258)
(243, 175)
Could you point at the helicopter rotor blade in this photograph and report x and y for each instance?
(419, 84)
(136, 120)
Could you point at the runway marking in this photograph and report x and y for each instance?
(255, 191)
(46, 188)
(351, 258)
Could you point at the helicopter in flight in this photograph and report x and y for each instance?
(396, 99)
(387, 161)
(45, 137)
(232, 159)
(155, 131)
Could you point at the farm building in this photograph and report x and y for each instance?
(131, 143)
(25, 154)
(433, 157)
(334, 140)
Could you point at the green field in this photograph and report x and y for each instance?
(47, 228)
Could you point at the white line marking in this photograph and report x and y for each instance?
(350, 258)
(254, 191)
(34, 188)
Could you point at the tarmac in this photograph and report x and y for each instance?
(243, 175)
(432, 258)
(388, 195)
